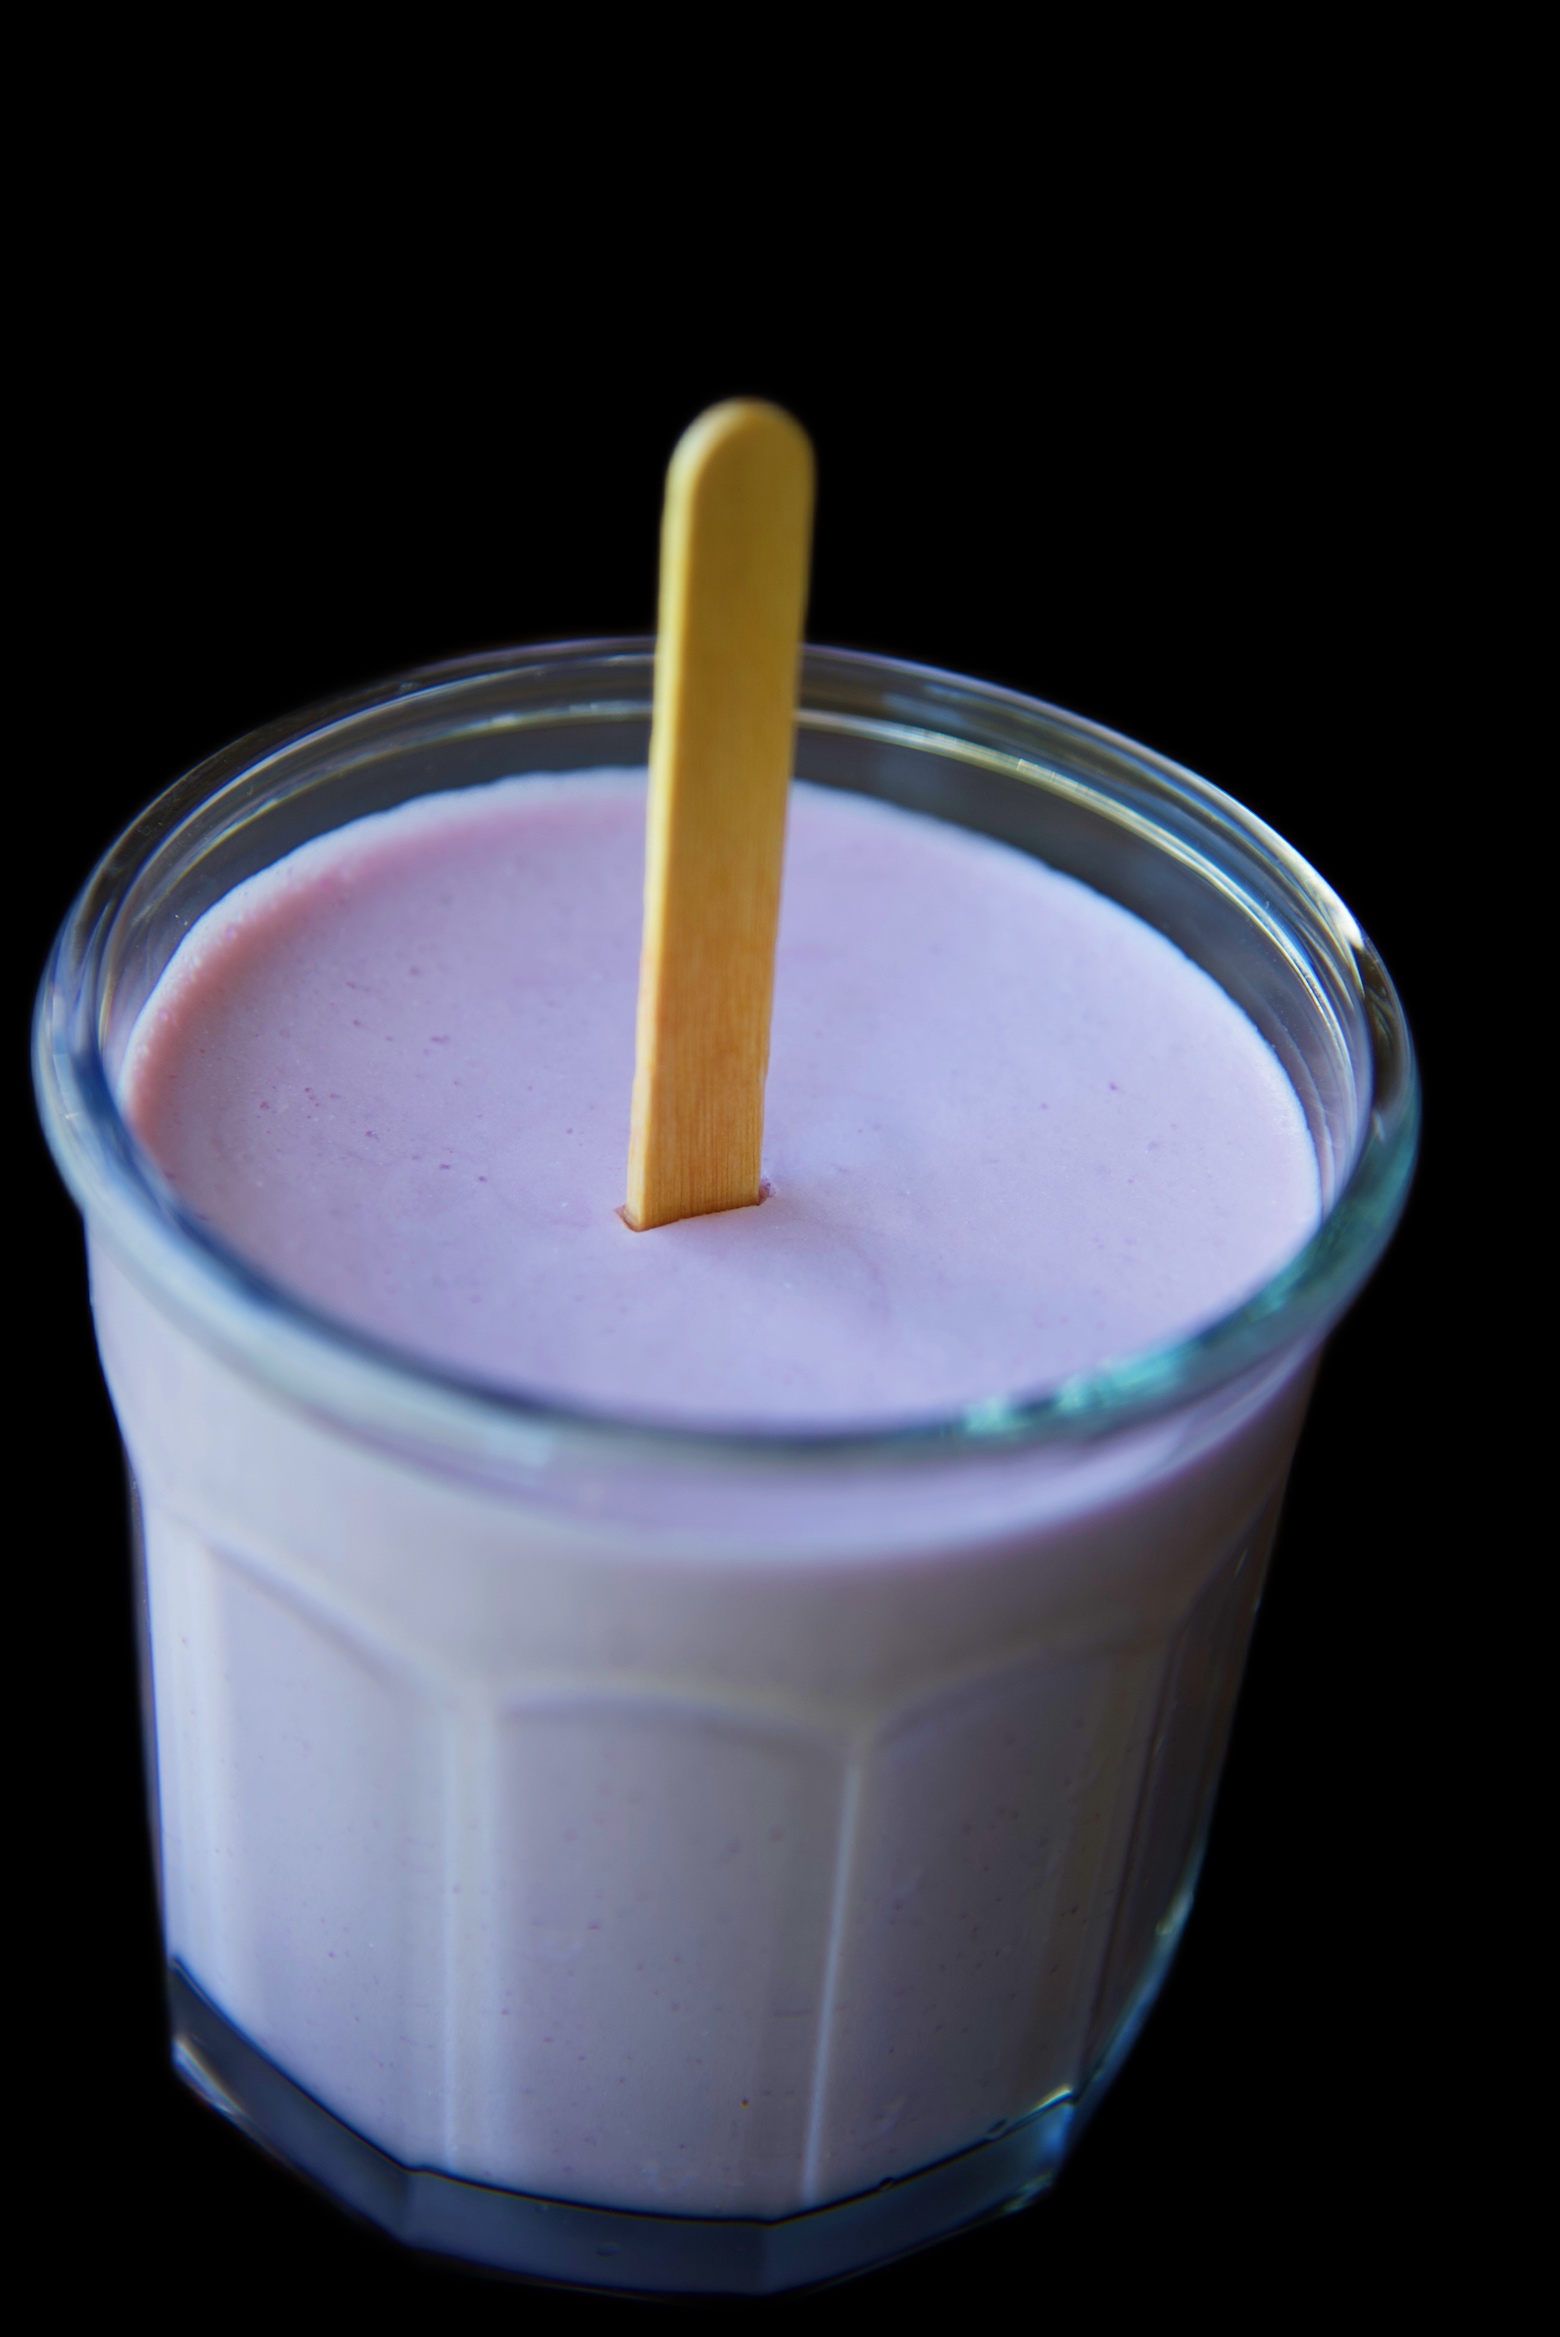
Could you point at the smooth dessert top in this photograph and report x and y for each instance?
(1012, 1132)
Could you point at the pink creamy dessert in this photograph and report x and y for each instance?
(684, 1833)
(1012, 1133)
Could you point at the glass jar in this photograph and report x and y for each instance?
(674, 1860)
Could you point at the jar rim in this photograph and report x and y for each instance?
(392, 1393)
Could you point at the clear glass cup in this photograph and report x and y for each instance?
(673, 1861)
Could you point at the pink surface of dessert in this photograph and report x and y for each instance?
(1012, 1133)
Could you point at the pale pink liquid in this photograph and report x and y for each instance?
(696, 1838)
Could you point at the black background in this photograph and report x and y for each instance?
(1190, 506)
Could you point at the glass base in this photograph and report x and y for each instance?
(604, 2247)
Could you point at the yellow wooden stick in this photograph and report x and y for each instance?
(735, 539)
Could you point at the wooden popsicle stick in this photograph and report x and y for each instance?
(735, 541)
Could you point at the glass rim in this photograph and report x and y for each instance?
(325, 1362)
